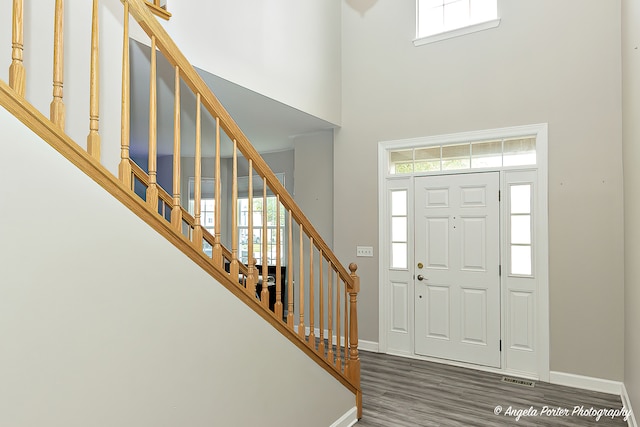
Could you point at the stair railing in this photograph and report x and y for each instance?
(316, 282)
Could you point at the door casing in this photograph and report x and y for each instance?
(537, 364)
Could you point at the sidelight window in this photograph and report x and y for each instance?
(520, 231)
(399, 229)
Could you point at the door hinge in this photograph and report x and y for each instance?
(500, 345)
(500, 270)
(499, 195)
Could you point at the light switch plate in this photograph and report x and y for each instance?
(364, 251)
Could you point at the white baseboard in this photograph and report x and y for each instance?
(368, 346)
(586, 383)
(626, 402)
(348, 419)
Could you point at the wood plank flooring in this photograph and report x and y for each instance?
(399, 392)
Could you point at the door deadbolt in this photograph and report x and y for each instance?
(420, 265)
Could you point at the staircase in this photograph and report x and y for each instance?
(314, 307)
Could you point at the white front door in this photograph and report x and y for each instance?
(456, 267)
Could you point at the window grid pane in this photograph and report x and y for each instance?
(520, 199)
(521, 260)
(521, 229)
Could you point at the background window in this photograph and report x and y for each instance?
(439, 16)
(259, 214)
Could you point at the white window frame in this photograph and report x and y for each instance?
(456, 32)
(259, 228)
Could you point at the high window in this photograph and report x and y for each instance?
(450, 18)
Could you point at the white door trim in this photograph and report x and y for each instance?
(541, 226)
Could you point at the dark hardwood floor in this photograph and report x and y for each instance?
(399, 392)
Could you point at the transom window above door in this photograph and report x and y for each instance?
(441, 19)
(464, 155)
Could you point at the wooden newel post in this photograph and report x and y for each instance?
(17, 73)
(354, 359)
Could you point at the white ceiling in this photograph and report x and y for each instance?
(269, 124)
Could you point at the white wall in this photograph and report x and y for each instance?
(287, 50)
(38, 60)
(631, 156)
(548, 61)
(104, 323)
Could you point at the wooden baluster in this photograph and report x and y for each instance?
(346, 329)
(197, 188)
(152, 189)
(278, 306)
(301, 330)
(217, 244)
(290, 275)
(251, 282)
(354, 358)
(124, 168)
(264, 295)
(176, 209)
(338, 343)
(312, 334)
(57, 105)
(93, 140)
(234, 267)
(17, 73)
(321, 307)
(330, 315)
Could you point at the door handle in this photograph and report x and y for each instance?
(420, 277)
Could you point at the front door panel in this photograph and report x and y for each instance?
(457, 291)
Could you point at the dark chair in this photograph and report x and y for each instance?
(270, 278)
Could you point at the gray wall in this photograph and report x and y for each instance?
(631, 156)
(314, 180)
(104, 322)
(548, 61)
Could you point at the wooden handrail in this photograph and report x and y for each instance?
(156, 9)
(189, 75)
